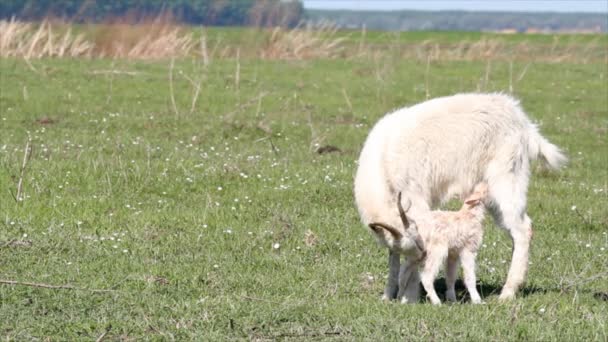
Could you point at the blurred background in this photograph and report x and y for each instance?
(516, 16)
(284, 29)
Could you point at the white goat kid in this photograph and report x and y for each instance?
(454, 236)
(439, 149)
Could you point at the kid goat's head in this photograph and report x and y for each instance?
(480, 192)
(406, 241)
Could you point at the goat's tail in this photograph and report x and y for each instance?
(550, 155)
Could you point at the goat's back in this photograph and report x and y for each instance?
(441, 148)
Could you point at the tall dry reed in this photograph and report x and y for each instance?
(156, 39)
(162, 38)
(306, 41)
(27, 40)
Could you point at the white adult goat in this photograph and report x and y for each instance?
(439, 149)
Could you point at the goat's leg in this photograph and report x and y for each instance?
(390, 291)
(468, 269)
(429, 272)
(451, 272)
(521, 234)
(412, 289)
(406, 275)
(508, 193)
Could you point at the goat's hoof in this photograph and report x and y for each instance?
(435, 301)
(506, 295)
(404, 300)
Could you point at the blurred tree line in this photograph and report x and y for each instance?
(200, 12)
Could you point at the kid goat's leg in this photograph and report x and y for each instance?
(390, 291)
(429, 273)
(451, 272)
(468, 269)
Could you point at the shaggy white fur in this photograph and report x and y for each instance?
(439, 149)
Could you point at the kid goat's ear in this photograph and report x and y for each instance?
(473, 202)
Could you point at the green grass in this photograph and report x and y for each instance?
(180, 214)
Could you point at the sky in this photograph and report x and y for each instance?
(592, 6)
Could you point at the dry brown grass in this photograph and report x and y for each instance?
(26, 40)
(495, 49)
(306, 41)
(156, 39)
(163, 38)
(149, 40)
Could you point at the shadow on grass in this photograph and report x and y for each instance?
(485, 290)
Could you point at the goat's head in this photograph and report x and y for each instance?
(406, 241)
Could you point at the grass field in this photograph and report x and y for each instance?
(209, 215)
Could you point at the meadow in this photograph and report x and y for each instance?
(209, 196)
